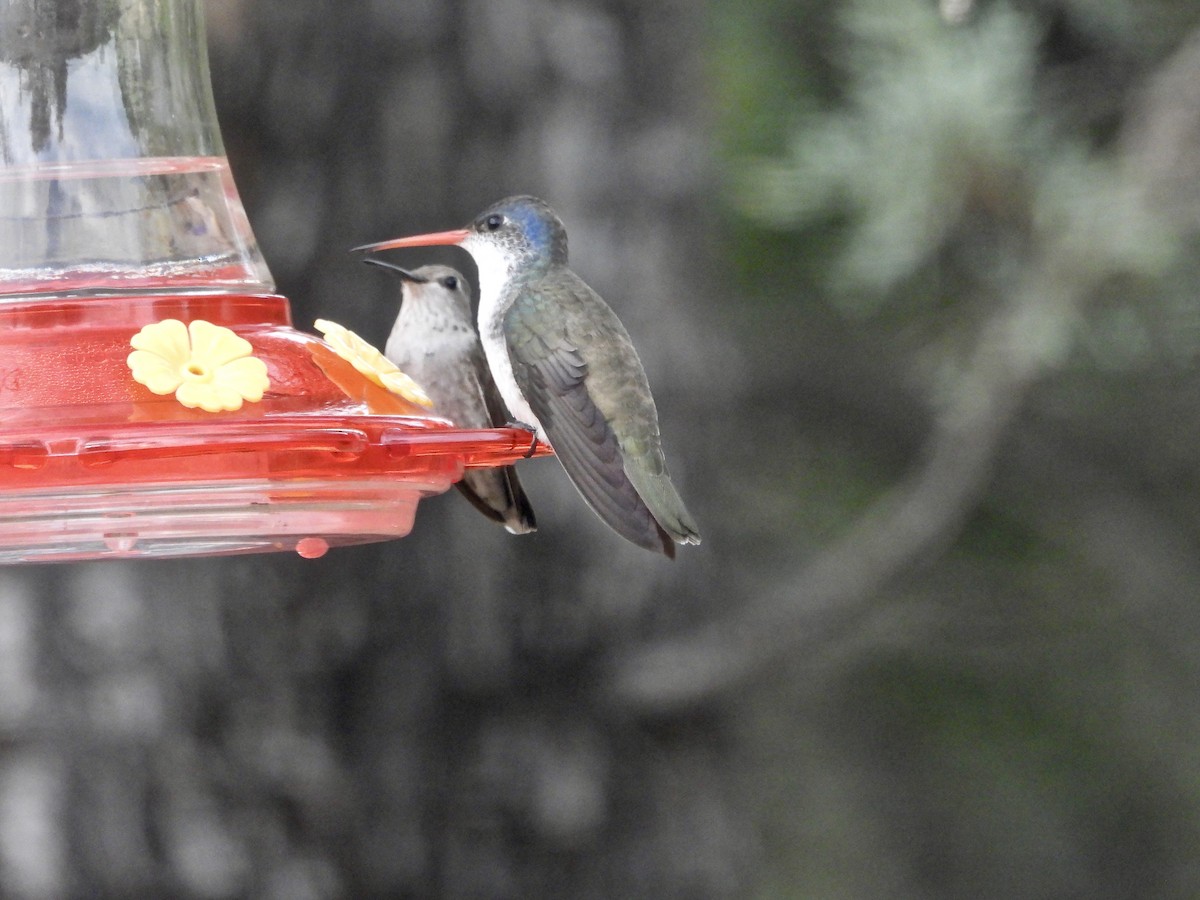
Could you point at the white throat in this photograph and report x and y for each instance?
(494, 272)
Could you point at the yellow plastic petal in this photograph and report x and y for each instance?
(168, 339)
(339, 338)
(399, 383)
(246, 376)
(209, 397)
(331, 330)
(158, 374)
(215, 345)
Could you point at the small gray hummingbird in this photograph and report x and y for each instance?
(434, 341)
(567, 369)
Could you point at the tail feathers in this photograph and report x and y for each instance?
(634, 516)
(655, 521)
(597, 473)
(497, 493)
(664, 503)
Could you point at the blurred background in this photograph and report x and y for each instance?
(916, 286)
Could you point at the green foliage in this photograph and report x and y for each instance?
(940, 128)
(935, 118)
(941, 176)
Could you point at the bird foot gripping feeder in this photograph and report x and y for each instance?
(154, 399)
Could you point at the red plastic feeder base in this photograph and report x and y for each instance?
(94, 465)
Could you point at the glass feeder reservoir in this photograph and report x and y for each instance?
(126, 428)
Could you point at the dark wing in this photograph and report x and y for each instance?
(552, 375)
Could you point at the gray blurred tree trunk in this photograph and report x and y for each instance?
(424, 718)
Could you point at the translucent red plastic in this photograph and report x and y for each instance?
(92, 464)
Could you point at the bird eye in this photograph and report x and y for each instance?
(450, 283)
(493, 222)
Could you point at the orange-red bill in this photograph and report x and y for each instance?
(421, 240)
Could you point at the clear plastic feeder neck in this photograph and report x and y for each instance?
(113, 177)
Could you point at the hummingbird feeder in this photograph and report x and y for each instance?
(155, 399)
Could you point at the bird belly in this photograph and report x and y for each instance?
(499, 361)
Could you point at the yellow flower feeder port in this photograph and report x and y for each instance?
(205, 366)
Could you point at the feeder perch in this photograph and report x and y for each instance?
(117, 212)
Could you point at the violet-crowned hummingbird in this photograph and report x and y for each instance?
(566, 368)
(434, 341)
